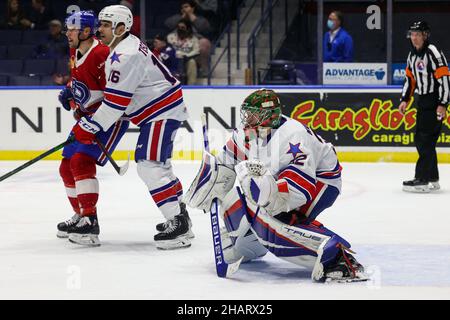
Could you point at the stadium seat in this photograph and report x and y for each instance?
(11, 67)
(34, 37)
(62, 67)
(3, 52)
(20, 51)
(47, 81)
(8, 37)
(3, 80)
(24, 81)
(38, 67)
(280, 72)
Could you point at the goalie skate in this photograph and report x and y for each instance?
(85, 232)
(345, 269)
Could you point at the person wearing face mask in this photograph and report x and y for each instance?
(187, 48)
(337, 43)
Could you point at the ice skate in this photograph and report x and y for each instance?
(85, 232)
(434, 185)
(345, 268)
(416, 186)
(176, 235)
(64, 226)
(163, 226)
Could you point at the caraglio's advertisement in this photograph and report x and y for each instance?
(358, 119)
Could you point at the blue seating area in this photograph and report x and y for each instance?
(18, 67)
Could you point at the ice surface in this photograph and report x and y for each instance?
(403, 239)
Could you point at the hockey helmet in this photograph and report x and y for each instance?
(82, 19)
(261, 108)
(419, 26)
(117, 14)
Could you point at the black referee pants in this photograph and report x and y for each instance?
(428, 129)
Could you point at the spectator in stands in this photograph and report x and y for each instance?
(166, 53)
(207, 8)
(15, 17)
(337, 43)
(56, 46)
(201, 28)
(40, 15)
(186, 46)
(136, 27)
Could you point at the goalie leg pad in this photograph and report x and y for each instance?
(240, 240)
(310, 245)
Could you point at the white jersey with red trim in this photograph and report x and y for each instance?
(139, 86)
(295, 155)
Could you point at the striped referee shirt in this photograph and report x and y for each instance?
(427, 73)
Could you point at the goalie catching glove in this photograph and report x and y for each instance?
(260, 187)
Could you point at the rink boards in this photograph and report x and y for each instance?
(362, 122)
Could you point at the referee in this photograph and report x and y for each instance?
(427, 73)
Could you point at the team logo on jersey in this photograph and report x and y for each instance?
(294, 149)
(420, 66)
(80, 92)
(115, 57)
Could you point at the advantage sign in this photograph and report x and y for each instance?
(355, 73)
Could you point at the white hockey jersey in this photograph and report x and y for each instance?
(139, 87)
(292, 152)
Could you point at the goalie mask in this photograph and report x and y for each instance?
(262, 108)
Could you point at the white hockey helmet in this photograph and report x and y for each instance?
(117, 14)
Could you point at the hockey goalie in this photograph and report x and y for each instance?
(286, 176)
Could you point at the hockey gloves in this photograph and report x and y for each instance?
(85, 130)
(65, 96)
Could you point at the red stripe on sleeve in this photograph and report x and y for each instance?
(122, 101)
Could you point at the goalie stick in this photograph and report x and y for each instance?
(223, 269)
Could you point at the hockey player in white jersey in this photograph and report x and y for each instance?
(141, 88)
(287, 175)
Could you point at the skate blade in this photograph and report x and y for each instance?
(434, 186)
(360, 277)
(90, 240)
(180, 242)
(190, 235)
(62, 234)
(417, 189)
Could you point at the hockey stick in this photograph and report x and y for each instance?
(120, 170)
(42, 156)
(223, 269)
